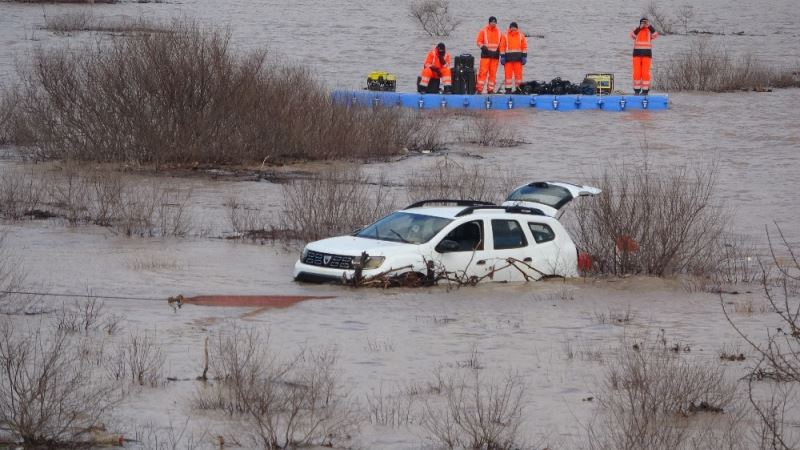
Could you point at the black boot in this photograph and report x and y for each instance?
(645, 91)
(508, 90)
(636, 91)
(448, 89)
(421, 89)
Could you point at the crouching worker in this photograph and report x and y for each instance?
(437, 67)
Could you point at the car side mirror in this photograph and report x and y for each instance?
(447, 246)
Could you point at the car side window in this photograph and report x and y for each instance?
(541, 232)
(468, 235)
(507, 234)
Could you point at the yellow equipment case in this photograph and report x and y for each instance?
(381, 81)
(604, 82)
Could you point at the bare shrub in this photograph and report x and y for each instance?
(706, 66)
(476, 412)
(333, 202)
(21, 193)
(50, 393)
(188, 98)
(779, 355)
(284, 403)
(685, 15)
(154, 436)
(489, 130)
(12, 281)
(738, 260)
(663, 22)
(8, 110)
(82, 316)
(394, 409)
(245, 219)
(67, 22)
(434, 16)
(449, 179)
(69, 192)
(652, 398)
(427, 133)
(85, 21)
(140, 358)
(652, 221)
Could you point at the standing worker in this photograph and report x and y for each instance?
(513, 55)
(437, 65)
(642, 37)
(489, 42)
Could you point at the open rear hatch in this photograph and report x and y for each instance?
(549, 196)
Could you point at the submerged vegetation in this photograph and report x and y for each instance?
(188, 98)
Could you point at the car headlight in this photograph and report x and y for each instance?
(373, 262)
(303, 254)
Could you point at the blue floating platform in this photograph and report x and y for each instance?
(504, 102)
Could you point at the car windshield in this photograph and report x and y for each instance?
(405, 227)
(547, 194)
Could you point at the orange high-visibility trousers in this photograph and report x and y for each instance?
(488, 69)
(513, 70)
(427, 74)
(641, 72)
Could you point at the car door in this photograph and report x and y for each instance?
(510, 253)
(469, 258)
(546, 254)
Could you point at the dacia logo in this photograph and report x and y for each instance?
(326, 259)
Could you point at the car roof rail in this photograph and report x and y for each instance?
(453, 202)
(508, 209)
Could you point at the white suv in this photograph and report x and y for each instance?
(465, 240)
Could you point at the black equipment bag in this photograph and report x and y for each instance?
(463, 81)
(465, 61)
(588, 87)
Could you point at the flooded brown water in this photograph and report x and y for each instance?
(753, 137)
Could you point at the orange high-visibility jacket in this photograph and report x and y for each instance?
(432, 60)
(514, 46)
(643, 41)
(491, 38)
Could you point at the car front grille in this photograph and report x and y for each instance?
(328, 260)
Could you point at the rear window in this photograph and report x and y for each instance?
(554, 196)
(541, 232)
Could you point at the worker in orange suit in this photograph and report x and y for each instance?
(437, 65)
(642, 37)
(513, 55)
(488, 41)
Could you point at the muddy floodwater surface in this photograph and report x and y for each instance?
(560, 336)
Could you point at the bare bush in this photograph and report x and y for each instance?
(428, 131)
(476, 413)
(140, 358)
(85, 21)
(737, 260)
(779, 355)
(448, 179)
(21, 193)
(395, 409)
(12, 280)
(489, 130)
(284, 403)
(50, 393)
(333, 202)
(706, 66)
(652, 221)
(154, 436)
(8, 105)
(652, 398)
(188, 98)
(663, 22)
(434, 16)
(81, 317)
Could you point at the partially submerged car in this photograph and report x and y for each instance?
(459, 240)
